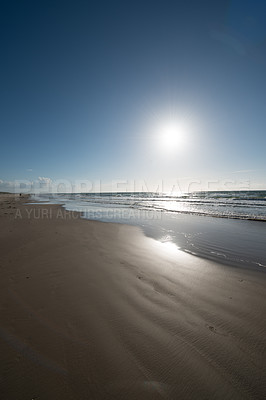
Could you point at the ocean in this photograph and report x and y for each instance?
(235, 204)
(225, 226)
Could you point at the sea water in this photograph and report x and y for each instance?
(228, 227)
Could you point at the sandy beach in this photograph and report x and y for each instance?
(93, 310)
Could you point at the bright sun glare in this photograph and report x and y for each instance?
(172, 135)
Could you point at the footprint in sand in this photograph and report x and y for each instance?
(214, 330)
(211, 328)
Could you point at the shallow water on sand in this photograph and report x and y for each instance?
(238, 242)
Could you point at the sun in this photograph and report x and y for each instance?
(172, 135)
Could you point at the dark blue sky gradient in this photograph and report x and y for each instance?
(83, 84)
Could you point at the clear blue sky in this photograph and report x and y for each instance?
(86, 86)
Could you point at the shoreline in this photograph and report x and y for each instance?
(222, 240)
(98, 310)
(255, 211)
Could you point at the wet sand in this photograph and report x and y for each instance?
(93, 310)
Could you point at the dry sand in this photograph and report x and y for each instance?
(99, 311)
